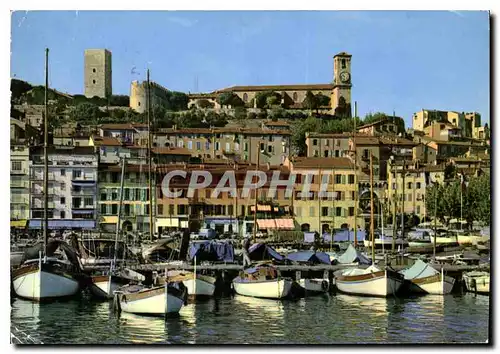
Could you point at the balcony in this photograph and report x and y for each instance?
(23, 171)
(19, 199)
(36, 204)
(19, 184)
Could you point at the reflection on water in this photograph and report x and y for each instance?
(239, 319)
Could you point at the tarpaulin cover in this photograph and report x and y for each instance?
(309, 256)
(211, 251)
(261, 251)
(309, 237)
(351, 255)
(419, 270)
(344, 236)
(64, 224)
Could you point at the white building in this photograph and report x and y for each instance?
(72, 187)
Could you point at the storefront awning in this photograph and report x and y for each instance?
(109, 220)
(64, 224)
(18, 223)
(220, 221)
(275, 224)
(261, 208)
(80, 212)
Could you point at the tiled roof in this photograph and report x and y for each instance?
(233, 130)
(278, 123)
(106, 141)
(305, 87)
(322, 162)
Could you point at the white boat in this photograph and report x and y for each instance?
(140, 300)
(40, 280)
(263, 282)
(104, 285)
(198, 285)
(477, 282)
(314, 285)
(371, 281)
(386, 242)
(424, 278)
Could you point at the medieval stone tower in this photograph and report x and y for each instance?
(97, 73)
(341, 93)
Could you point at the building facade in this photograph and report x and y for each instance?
(19, 185)
(72, 188)
(139, 95)
(97, 73)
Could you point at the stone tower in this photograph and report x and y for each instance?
(341, 94)
(97, 73)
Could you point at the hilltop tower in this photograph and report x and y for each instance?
(341, 93)
(97, 73)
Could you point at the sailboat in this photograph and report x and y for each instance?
(198, 285)
(425, 279)
(262, 281)
(46, 277)
(372, 281)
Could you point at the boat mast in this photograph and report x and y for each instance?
(333, 210)
(320, 231)
(435, 219)
(372, 219)
(151, 226)
(46, 158)
(119, 212)
(355, 177)
(256, 192)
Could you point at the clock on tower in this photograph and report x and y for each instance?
(341, 93)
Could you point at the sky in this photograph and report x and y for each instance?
(402, 61)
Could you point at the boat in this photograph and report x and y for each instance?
(262, 281)
(477, 282)
(383, 241)
(103, 285)
(372, 281)
(314, 285)
(141, 300)
(198, 285)
(423, 278)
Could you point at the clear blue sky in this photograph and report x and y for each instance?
(402, 61)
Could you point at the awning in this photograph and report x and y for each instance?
(109, 220)
(18, 223)
(279, 224)
(221, 221)
(64, 224)
(261, 208)
(167, 222)
(83, 183)
(80, 212)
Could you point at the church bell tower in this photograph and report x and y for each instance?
(341, 93)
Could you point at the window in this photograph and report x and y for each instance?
(171, 210)
(315, 142)
(245, 97)
(103, 209)
(337, 153)
(245, 146)
(63, 172)
(198, 145)
(93, 81)
(351, 211)
(353, 195)
(262, 148)
(366, 153)
(295, 97)
(114, 209)
(338, 179)
(16, 166)
(343, 64)
(316, 153)
(311, 211)
(180, 143)
(324, 211)
(160, 209)
(327, 142)
(126, 194)
(77, 174)
(190, 145)
(351, 179)
(418, 185)
(394, 186)
(63, 200)
(62, 214)
(89, 201)
(230, 209)
(77, 202)
(409, 197)
(270, 149)
(410, 185)
(228, 147)
(338, 211)
(418, 209)
(298, 211)
(217, 145)
(93, 70)
(325, 153)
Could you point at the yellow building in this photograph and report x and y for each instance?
(314, 213)
(424, 118)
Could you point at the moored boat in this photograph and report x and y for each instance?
(314, 285)
(371, 281)
(423, 278)
(155, 301)
(477, 282)
(104, 285)
(262, 281)
(198, 285)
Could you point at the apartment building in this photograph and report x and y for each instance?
(240, 144)
(72, 187)
(19, 185)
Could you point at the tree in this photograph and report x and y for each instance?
(272, 101)
(323, 101)
(374, 117)
(119, 100)
(226, 98)
(299, 130)
(263, 100)
(310, 101)
(204, 103)
(240, 113)
(18, 88)
(251, 115)
(85, 113)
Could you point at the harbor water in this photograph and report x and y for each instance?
(328, 319)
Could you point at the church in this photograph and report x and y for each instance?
(292, 96)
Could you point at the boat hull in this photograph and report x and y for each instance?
(382, 283)
(314, 285)
(199, 287)
(434, 285)
(268, 289)
(103, 287)
(151, 302)
(37, 284)
(478, 284)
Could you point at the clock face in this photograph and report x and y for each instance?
(344, 76)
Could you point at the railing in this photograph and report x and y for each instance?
(19, 184)
(19, 199)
